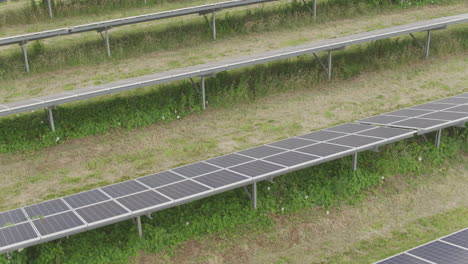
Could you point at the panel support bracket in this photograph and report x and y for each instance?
(105, 37)
(25, 54)
(313, 9)
(49, 7)
(140, 230)
(149, 216)
(271, 180)
(355, 156)
(252, 195)
(203, 91)
(212, 24)
(438, 135)
(195, 85)
(421, 45)
(50, 116)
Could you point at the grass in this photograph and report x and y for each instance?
(170, 102)
(133, 42)
(327, 186)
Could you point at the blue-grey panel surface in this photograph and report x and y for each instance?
(419, 123)
(355, 141)
(382, 119)
(229, 160)
(292, 143)
(143, 200)
(322, 135)
(291, 158)
(195, 169)
(16, 234)
(349, 128)
(220, 178)
(431, 106)
(12, 217)
(85, 198)
(46, 208)
(99, 212)
(460, 238)
(449, 116)
(57, 223)
(460, 109)
(261, 152)
(386, 132)
(403, 259)
(324, 149)
(160, 179)
(123, 188)
(442, 253)
(409, 112)
(453, 100)
(256, 168)
(182, 189)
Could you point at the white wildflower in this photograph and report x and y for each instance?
(306, 196)
(187, 223)
(282, 209)
(328, 212)
(57, 139)
(268, 188)
(420, 158)
(178, 117)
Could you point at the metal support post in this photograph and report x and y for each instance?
(438, 135)
(355, 161)
(203, 91)
(25, 54)
(145, 2)
(254, 195)
(149, 216)
(49, 6)
(213, 24)
(140, 231)
(51, 118)
(428, 43)
(315, 10)
(107, 42)
(329, 65)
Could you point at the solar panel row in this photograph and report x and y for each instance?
(90, 209)
(452, 249)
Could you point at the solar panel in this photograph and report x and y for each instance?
(57, 223)
(386, 132)
(261, 152)
(445, 116)
(220, 178)
(182, 189)
(291, 158)
(229, 160)
(322, 135)
(418, 123)
(382, 119)
(355, 141)
(123, 188)
(160, 179)
(465, 95)
(324, 149)
(16, 234)
(195, 169)
(102, 211)
(460, 239)
(46, 208)
(460, 109)
(292, 143)
(256, 168)
(139, 201)
(12, 217)
(349, 128)
(453, 100)
(431, 106)
(85, 198)
(403, 259)
(409, 112)
(439, 252)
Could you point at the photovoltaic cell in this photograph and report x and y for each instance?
(85, 198)
(465, 95)
(229, 160)
(291, 158)
(409, 112)
(355, 141)
(453, 100)
(143, 200)
(99, 212)
(439, 252)
(324, 149)
(431, 106)
(16, 234)
(261, 152)
(322, 135)
(449, 116)
(12, 217)
(460, 109)
(349, 128)
(460, 238)
(419, 123)
(195, 169)
(182, 189)
(385, 132)
(256, 168)
(46, 208)
(402, 259)
(220, 178)
(292, 143)
(160, 179)
(57, 223)
(123, 188)
(382, 119)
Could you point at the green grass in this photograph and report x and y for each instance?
(165, 103)
(409, 236)
(328, 185)
(131, 43)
